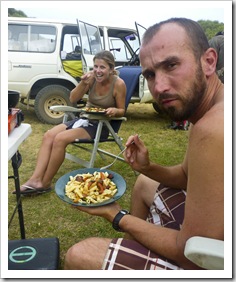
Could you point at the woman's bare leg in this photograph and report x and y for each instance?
(36, 180)
(57, 154)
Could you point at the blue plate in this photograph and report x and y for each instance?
(62, 181)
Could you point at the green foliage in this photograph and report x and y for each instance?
(47, 216)
(211, 27)
(15, 13)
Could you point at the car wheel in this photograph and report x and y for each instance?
(48, 96)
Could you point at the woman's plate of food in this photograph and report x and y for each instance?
(90, 187)
(92, 110)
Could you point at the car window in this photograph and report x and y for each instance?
(91, 42)
(71, 43)
(119, 50)
(31, 38)
(133, 41)
(123, 43)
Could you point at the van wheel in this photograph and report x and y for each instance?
(156, 108)
(48, 96)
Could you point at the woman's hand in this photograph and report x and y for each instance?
(111, 112)
(77, 93)
(88, 78)
(136, 154)
(107, 211)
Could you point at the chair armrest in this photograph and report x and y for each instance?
(68, 110)
(101, 117)
(205, 252)
(61, 108)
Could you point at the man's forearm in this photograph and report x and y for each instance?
(173, 176)
(160, 240)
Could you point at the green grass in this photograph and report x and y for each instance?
(47, 216)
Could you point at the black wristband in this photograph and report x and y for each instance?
(117, 218)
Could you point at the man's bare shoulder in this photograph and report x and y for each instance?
(211, 125)
(205, 197)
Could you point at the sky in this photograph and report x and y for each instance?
(121, 13)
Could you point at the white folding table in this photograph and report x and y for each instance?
(27, 254)
(15, 138)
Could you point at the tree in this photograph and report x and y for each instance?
(211, 27)
(15, 13)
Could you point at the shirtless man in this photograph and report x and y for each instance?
(180, 70)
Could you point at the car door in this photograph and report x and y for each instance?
(122, 42)
(90, 43)
(140, 31)
(144, 92)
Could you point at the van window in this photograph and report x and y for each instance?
(133, 41)
(122, 47)
(31, 38)
(119, 50)
(91, 42)
(71, 43)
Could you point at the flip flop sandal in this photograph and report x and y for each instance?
(33, 191)
(43, 190)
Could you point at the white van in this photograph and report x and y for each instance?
(47, 58)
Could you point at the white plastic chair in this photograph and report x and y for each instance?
(205, 252)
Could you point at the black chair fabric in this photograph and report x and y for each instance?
(33, 254)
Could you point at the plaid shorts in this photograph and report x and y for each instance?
(167, 210)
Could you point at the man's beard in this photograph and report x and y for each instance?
(190, 102)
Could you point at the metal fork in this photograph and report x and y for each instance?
(107, 166)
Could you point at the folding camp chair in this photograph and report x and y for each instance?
(205, 252)
(113, 124)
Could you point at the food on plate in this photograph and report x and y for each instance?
(94, 110)
(90, 188)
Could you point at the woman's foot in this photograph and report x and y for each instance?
(33, 191)
(30, 188)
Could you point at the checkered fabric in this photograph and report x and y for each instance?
(167, 210)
